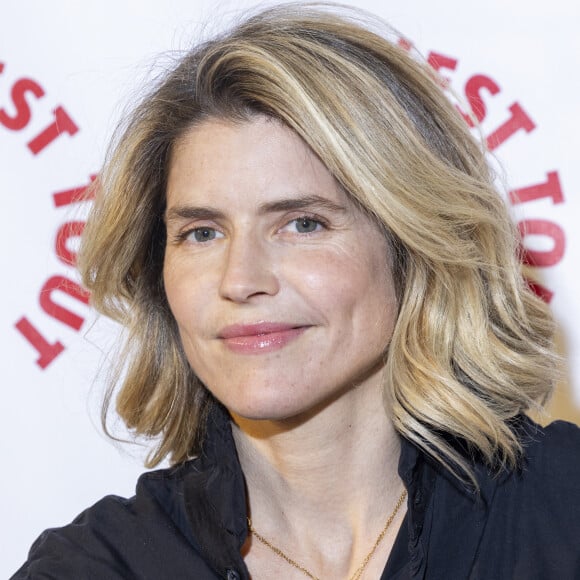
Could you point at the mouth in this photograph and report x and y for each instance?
(259, 338)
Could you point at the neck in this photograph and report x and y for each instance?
(298, 471)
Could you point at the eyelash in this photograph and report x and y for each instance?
(310, 218)
(184, 235)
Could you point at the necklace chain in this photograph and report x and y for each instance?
(359, 571)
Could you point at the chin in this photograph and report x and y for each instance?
(262, 411)
(263, 403)
(275, 408)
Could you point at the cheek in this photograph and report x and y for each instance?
(349, 282)
(173, 290)
(183, 295)
(185, 302)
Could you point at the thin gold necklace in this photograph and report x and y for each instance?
(359, 571)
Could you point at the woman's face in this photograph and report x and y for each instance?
(280, 287)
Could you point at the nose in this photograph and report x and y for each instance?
(248, 269)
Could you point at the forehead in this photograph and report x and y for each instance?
(258, 158)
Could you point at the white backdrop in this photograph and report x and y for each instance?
(79, 64)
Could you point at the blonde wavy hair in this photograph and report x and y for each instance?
(472, 346)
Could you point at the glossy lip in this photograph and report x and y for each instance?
(259, 338)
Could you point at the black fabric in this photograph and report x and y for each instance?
(397, 566)
(189, 522)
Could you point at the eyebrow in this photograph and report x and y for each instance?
(287, 204)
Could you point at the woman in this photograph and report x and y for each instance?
(329, 335)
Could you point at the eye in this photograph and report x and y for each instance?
(306, 225)
(203, 234)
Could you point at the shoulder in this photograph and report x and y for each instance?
(545, 490)
(541, 497)
(551, 453)
(533, 513)
(83, 546)
(120, 537)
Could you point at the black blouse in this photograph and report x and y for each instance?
(190, 521)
